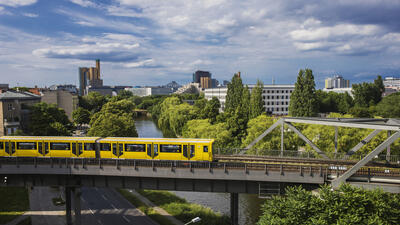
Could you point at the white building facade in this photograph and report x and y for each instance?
(146, 91)
(276, 97)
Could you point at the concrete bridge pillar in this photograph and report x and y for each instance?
(235, 208)
(77, 205)
(68, 203)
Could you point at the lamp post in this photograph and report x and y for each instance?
(194, 220)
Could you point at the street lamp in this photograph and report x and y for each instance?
(195, 220)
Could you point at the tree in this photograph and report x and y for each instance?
(115, 119)
(245, 106)
(368, 94)
(93, 102)
(303, 101)
(81, 116)
(48, 120)
(211, 110)
(347, 205)
(204, 129)
(256, 101)
(389, 107)
(234, 94)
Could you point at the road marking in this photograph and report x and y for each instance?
(104, 197)
(113, 206)
(91, 211)
(127, 220)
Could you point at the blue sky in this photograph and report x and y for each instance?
(143, 42)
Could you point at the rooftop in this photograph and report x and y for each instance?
(18, 95)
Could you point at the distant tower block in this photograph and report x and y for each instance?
(89, 77)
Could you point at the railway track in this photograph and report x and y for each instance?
(298, 161)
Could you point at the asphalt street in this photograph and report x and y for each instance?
(105, 206)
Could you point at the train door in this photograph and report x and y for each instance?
(10, 148)
(205, 152)
(118, 150)
(189, 152)
(2, 150)
(43, 148)
(192, 152)
(152, 151)
(75, 149)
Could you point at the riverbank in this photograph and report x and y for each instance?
(183, 210)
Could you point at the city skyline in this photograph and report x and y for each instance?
(150, 43)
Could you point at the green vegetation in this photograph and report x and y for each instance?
(48, 120)
(347, 205)
(389, 107)
(81, 116)
(14, 202)
(303, 101)
(334, 102)
(256, 100)
(144, 208)
(182, 210)
(115, 119)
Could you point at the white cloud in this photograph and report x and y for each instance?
(17, 3)
(340, 30)
(84, 3)
(31, 15)
(144, 63)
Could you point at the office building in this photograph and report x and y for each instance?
(3, 88)
(66, 87)
(89, 77)
(336, 82)
(199, 74)
(392, 85)
(14, 111)
(276, 97)
(205, 82)
(63, 99)
(147, 91)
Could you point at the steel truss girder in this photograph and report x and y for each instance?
(342, 179)
(265, 133)
(308, 141)
(363, 142)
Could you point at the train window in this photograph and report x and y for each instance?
(105, 147)
(26, 145)
(171, 148)
(205, 148)
(135, 147)
(60, 146)
(89, 146)
(1, 145)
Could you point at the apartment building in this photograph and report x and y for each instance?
(276, 97)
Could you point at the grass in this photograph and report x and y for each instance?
(14, 201)
(58, 201)
(182, 210)
(162, 220)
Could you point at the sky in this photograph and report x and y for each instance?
(149, 42)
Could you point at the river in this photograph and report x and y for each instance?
(249, 205)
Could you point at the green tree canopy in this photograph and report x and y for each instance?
(368, 94)
(256, 100)
(211, 110)
(389, 107)
(115, 119)
(81, 116)
(93, 102)
(204, 129)
(303, 101)
(234, 94)
(347, 205)
(334, 102)
(48, 120)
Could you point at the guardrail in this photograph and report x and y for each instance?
(305, 154)
(52, 162)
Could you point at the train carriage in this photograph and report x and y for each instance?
(110, 147)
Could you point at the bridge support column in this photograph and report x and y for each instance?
(77, 206)
(234, 208)
(68, 203)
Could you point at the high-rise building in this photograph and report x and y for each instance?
(89, 77)
(205, 82)
(198, 74)
(336, 82)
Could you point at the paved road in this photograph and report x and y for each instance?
(104, 206)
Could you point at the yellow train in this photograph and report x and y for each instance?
(109, 147)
